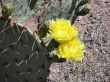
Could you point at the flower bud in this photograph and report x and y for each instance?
(85, 10)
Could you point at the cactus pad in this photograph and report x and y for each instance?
(22, 58)
(22, 10)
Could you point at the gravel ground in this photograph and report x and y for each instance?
(95, 33)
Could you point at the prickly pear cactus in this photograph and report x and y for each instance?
(22, 10)
(22, 58)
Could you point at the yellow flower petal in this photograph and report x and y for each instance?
(71, 50)
(62, 30)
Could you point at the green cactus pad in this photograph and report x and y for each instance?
(22, 58)
(22, 9)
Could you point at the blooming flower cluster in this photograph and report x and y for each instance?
(62, 31)
(70, 46)
(71, 50)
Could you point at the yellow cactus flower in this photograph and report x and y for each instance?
(72, 50)
(62, 30)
